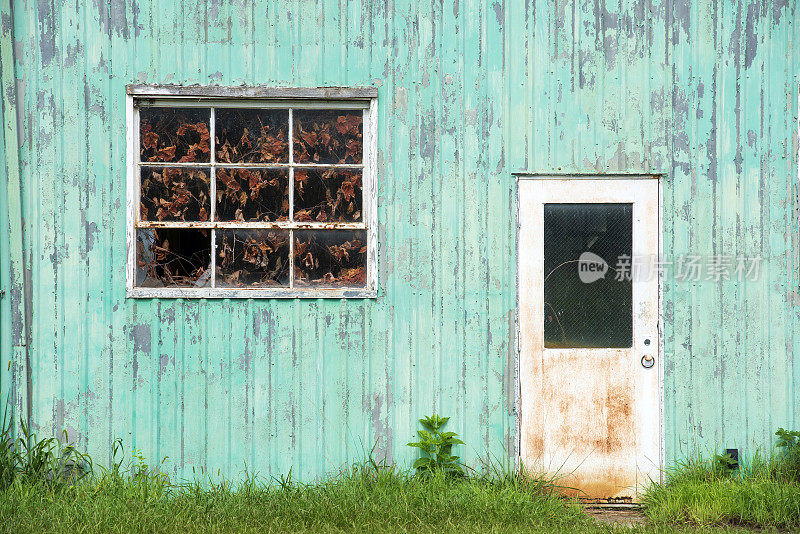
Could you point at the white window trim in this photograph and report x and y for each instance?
(263, 97)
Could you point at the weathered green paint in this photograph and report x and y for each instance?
(13, 331)
(704, 92)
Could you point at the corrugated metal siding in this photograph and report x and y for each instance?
(705, 92)
(468, 93)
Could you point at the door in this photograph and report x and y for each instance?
(589, 343)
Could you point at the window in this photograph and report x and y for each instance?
(251, 192)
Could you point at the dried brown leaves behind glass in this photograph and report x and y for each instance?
(252, 136)
(175, 194)
(252, 194)
(174, 135)
(252, 258)
(327, 137)
(332, 258)
(327, 195)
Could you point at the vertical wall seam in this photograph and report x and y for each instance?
(19, 293)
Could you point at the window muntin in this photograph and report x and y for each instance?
(247, 198)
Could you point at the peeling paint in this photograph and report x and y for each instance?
(140, 335)
(73, 52)
(499, 13)
(113, 17)
(751, 46)
(91, 231)
(47, 32)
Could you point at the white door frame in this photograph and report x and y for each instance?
(525, 176)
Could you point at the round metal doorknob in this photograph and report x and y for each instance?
(648, 361)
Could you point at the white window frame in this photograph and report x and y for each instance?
(213, 97)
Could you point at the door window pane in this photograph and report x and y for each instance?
(584, 303)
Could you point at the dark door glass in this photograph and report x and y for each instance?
(587, 304)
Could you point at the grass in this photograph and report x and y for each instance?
(365, 498)
(362, 499)
(763, 492)
(48, 487)
(37, 494)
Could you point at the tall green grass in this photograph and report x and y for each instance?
(363, 498)
(368, 497)
(29, 459)
(47, 486)
(44, 490)
(762, 492)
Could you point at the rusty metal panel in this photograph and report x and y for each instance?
(467, 93)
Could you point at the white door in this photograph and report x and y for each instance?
(589, 343)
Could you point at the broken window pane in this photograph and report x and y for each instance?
(322, 136)
(585, 304)
(252, 195)
(175, 194)
(330, 258)
(174, 134)
(252, 258)
(252, 135)
(327, 195)
(173, 257)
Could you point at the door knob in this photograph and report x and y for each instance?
(648, 361)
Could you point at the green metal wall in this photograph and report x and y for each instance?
(469, 92)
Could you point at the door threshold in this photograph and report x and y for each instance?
(620, 506)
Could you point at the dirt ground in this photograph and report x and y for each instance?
(634, 517)
(619, 517)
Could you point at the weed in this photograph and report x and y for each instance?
(437, 447)
(32, 460)
(707, 492)
(723, 465)
(8, 455)
(285, 482)
(788, 439)
(789, 447)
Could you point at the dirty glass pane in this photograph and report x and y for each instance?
(584, 304)
(321, 136)
(173, 257)
(175, 194)
(327, 195)
(252, 195)
(330, 258)
(252, 258)
(252, 135)
(174, 134)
